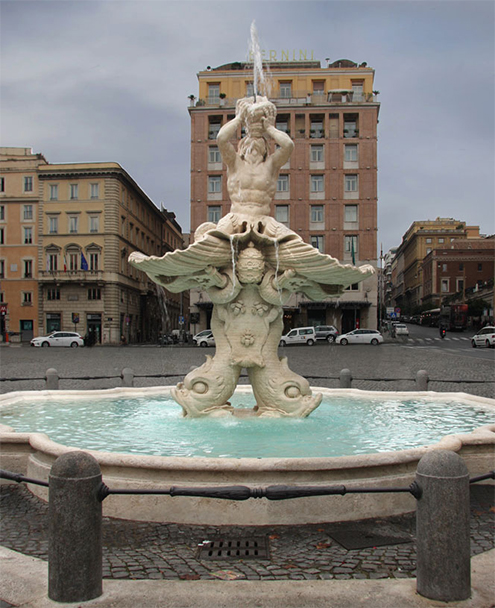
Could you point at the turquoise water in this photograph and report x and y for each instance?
(341, 426)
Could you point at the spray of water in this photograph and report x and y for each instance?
(259, 84)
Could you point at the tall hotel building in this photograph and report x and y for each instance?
(327, 191)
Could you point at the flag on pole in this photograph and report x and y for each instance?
(84, 262)
(65, 263)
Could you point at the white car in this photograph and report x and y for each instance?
(401, 330)
(299, 335)
(59, 338)
(204, 338)
(361, 336)
(485, 337)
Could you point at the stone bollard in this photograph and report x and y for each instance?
(127, 376)
(52, 378)
(74, 529)
(422, 380)
(442, 527)
(345, 378)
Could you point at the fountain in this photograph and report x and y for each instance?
(249, 264)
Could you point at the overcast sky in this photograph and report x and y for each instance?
(108, 81)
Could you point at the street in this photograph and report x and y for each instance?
(390, 366)
(457, 342)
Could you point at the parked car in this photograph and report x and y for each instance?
(401, 330)
(299, 335)
(204, 338)
(485, 337)
(326, 332)
(59, 338)
(361, 336)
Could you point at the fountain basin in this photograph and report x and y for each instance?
(33, 454)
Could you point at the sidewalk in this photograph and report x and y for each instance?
(368, 563)
(24, 583)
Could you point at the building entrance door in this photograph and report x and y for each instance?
(93, 324)
(26, 328)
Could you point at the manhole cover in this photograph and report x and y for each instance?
(357, 539)
(235, 548)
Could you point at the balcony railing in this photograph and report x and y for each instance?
(71, 275)
(298, 98)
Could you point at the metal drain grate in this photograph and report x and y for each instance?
(235, 548)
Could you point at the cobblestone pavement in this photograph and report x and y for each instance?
(146, 550)
(390, 367)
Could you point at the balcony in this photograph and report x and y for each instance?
(300, 98)
(71, 276)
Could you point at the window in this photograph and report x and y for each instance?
(214, 213)
(461, 266)
(52, 262)
(2, 236)
(351, 247)
(214, 124)
(94, 293)
(28, 269)
(249, 89)
(441, 241)
(351, 183)
(317, 243)
(316, 214)
(316, 129)
(317, 183)
(73, 261)
(2, 184)
(54, 192)
(2, 269)
(214, 155)
(459, 285)
(94, 190)
(445, 286)
(214, 184)
(2, 213)
(53, 294)
(27, 212)
(73, 223)
(28, 184)
(353, 287)
(350, 125)
(282, 214)
(28, 235)
(357, 90)
(428, 241)
(94, 223)
(122, 225)
(53, 224)
(428, 250)
(93, 261)
(318, 87)
(351, 213)
(350, 152)
(74, 192)
(213, 93)
(283, 183)
(286, 90)
(27, 298)
(444, 267)
(316, 154)
(480, 267)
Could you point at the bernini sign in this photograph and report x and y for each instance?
(287, 55)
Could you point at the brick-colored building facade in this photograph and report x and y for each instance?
(327, 191)
(460, 272)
